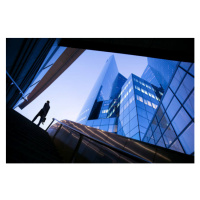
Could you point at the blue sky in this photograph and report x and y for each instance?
(69, 92)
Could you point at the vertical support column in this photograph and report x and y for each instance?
(76, 149)
(57, 132)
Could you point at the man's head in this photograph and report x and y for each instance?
(48, 102)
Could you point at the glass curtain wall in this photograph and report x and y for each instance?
(172, 126)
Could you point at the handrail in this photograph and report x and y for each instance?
(102, 143)
(16, 85)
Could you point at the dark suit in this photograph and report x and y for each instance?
(42, 113)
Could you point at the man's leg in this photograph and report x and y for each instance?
(36, 117)
(41, 119)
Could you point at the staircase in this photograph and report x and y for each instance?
(26, 142)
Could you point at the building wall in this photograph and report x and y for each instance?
(102, 91)
(172, 126)
(159, 71)
(138, 102)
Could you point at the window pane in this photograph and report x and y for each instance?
(161, 142)
(134, 131)
(148, 135)
(126, 112)
(105, 121)
(157, 134)
(181, 121)
(115, 128)
(154, 124)
(169, 136)
(89, 122)
(97, 122)
(149, 109)
(160, 113)
(126, 119)
(110, 129)
(104, 128)
(141, 136)
(133, 123)
(133, 113)
(192, 70)
(143, 121)
(167, 98)
(187, 139)
(164, 123)
(141, 112)
(189, 105)
(136, 136)
(149, 116)
(151, 141)
(173, 108)
(112, 121)
(185, 65)
(177, 147)
(185, 88)
(142, 129)
(140, 104)
(177, 79)
(126, 128)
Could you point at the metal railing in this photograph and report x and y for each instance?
(13, 82)
(82, 135)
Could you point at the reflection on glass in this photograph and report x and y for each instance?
(173, 107)
(164, 123)
(192, 70)
(181, 121)
(154, 124)
(126, 119)
(104, 128)
(104, 121)
(167, 98)
(157, 134)
(160, 113)
(133, 123)
(133, 113)
(177, 79)
(169, 136)
(97, 122)
(161, 142)
(177, 147)
(126, 128)
(134, 131)
(143, 121)
(136, 136)
(110, 129)
(185, 88)
(187, 139)
(142, 112)
(189, 105)
(185, 65)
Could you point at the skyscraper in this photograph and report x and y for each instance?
(159, 72)
(140, 110)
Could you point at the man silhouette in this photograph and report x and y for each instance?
(42, 113)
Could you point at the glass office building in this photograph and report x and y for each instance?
(159, 71)
(172, 126)
(159, 111)
(102, 97)
(138, 102)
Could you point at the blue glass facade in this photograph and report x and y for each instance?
(138, 103)
(173, 124)
(102, 97)
(159, 72)
(160, 114)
